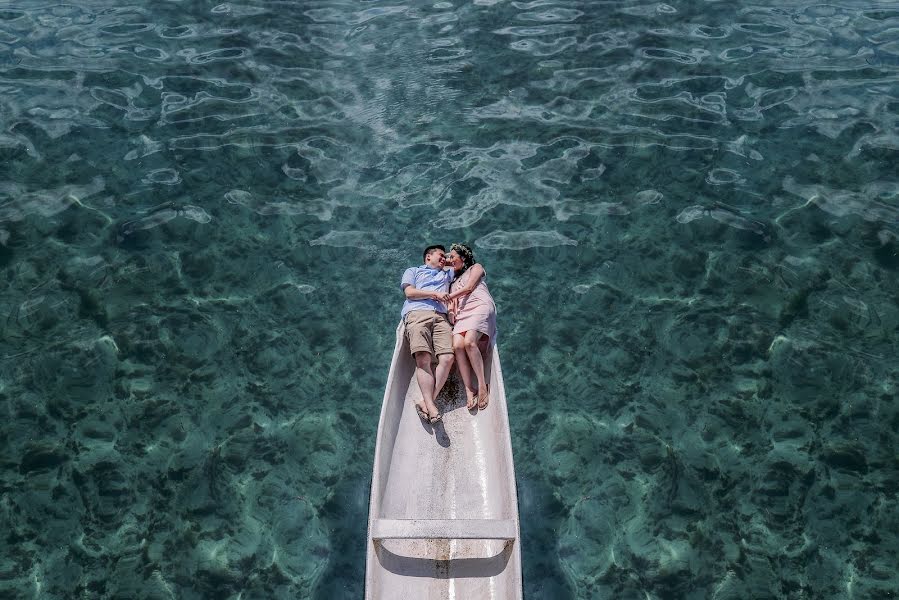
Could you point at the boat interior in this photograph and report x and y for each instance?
(443, 519)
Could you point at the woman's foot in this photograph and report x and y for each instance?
(483, 397)
(472, 402)
(422, 413)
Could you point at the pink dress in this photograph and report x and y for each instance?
(476, 311)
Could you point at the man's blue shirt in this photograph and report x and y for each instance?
(429, 279)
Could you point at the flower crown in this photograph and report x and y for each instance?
(464, 253)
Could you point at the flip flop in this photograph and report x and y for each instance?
(484, 400)
(422, 413)
(436, 419)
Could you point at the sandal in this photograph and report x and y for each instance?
(484, 400)
(422, 413)
(435, 420)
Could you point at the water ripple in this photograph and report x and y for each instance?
(521, 240)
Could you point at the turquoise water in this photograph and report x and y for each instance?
(688, 211)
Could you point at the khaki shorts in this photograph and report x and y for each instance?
(429, 331)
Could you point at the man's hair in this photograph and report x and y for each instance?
(430, 249)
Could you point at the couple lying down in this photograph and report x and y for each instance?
(449, 316)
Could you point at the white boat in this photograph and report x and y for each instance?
(443, 514)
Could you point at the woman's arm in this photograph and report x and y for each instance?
(477, 272)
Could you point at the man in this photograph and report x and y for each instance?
(427, 328)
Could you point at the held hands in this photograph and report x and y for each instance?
(440, 296)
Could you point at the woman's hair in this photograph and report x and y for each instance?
(465, 254)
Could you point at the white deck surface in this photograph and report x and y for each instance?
(454, 480)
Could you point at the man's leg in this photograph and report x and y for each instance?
(419, 325)
(425, 378)
(441, 374)
(443, 348)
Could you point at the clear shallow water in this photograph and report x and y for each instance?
(690, 217)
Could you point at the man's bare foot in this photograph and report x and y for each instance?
(483, 397)
(472, 402)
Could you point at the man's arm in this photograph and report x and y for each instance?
(413, 293)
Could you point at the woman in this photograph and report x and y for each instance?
(473, 314)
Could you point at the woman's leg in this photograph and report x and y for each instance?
(465, 371)
(477, 365)
(484, 346)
